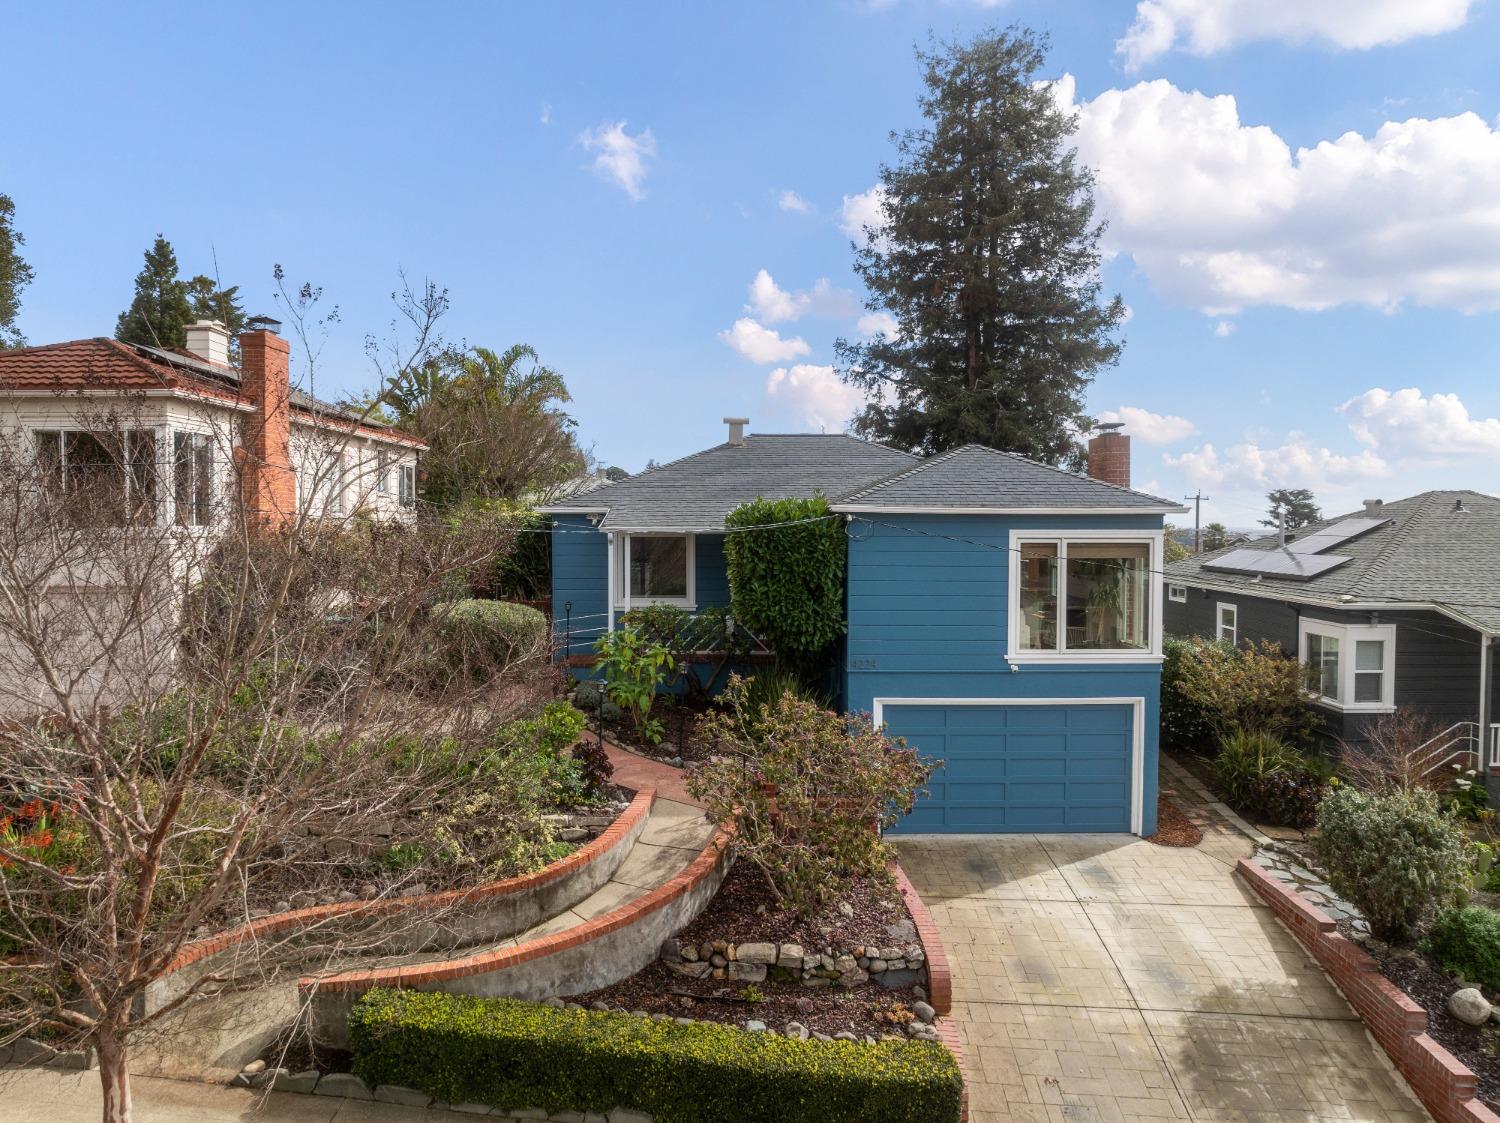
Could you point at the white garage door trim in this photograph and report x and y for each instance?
(1137, 740)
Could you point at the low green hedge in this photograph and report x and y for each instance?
(1466, 941)
(513, 1054)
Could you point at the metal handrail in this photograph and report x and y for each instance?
(1441, 750)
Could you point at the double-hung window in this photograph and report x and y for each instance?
(406, 481)
(655, 569)
(1227, 623)
(382, 473)
(192, 478)
(103, 478)
(1084, 596)
(1350, 666)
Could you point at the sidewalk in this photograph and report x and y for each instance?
(31, 1095)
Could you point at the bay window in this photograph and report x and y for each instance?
(1084, 596)
(103, 478)
(655, 569)
(1350, 666)
(192, 478)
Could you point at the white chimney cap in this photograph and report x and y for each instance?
(736, 429)
(209, 341)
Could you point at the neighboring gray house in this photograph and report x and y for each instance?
(1395, 606)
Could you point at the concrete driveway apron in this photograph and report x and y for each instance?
(1103, 978)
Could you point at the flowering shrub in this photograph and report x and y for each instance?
(806, 788)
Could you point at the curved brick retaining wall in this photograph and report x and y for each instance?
(1445, 1086)
(593, 954)
(481, 914)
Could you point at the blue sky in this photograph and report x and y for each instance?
(1302, 202)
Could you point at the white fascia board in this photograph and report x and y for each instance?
(857, 509)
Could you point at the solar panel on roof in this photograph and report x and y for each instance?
(1331, 536)
(1277, 563)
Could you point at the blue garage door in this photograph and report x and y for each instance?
(1019, 768)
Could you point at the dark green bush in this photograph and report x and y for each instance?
(1185, 723)
(1246, 758)
(525, 570)
(1397, 857)
(1466, 941)
(1213, 690)
(1286, 799)
(518, 1054)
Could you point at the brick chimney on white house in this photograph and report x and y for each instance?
(268, 480)
(209, 340)
(1109, 455)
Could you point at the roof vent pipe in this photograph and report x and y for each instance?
(1459, 508)
(737, 429)
(1373, 507)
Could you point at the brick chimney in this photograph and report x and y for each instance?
(268, 481)
(1109, 455)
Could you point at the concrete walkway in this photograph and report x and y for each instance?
(1104, 978)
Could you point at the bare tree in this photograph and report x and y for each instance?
(1403, 750)
(211, 723)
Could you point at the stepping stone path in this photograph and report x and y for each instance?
(1286, 866)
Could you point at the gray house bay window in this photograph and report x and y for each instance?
(1323, 659)
(1351, 667)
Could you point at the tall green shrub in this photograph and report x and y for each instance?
(1252, 687)
(1395, 856)
(1184, 722)
(786, 583)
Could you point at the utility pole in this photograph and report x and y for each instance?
(1198, 519)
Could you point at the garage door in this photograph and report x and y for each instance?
(1014, 767)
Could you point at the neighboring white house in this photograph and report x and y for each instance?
(200, 434)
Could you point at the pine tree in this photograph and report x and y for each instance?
(989, 262)
(1215, 537)
(1297, 504)
(15, 275)
(209, 302)
(160, 313)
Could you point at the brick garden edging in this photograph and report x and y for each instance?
(590, 955)
(1445, 1086)
(939, 975)
(613, 843)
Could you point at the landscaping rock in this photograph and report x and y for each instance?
(625, 1115)
(790, 955)
(477, 1109)
(756, 953)
(268, 1078)
(304, 1081)
(555, 1002)
(693, 970)
(572, 834)
(923, 1011)
(754, 1025)
(896, 980)
(844, 1035)
(797, 1030)
(253, 1067)
(1469, 1006)
(747, 972)
(344, 1084)
(853, 978)
(399, 1094)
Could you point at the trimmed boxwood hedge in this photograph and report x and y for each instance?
(513, 1054)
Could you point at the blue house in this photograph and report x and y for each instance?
(1004, 616)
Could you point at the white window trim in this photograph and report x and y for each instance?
(1176, 593)
(1014, 652)
(161, 436)
(1348, 635)
(1233, 629)
(216, 475)
(1137, 742)
(620, 599)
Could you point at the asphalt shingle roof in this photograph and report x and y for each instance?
(698, 491)
(978, 477)
(1433, 552)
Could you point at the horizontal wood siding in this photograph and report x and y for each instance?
(580, 575)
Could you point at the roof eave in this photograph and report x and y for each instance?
(1335, 601)
(883, 509)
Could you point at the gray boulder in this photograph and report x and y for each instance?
(1469, 1006)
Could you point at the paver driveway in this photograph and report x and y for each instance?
(1098, 977)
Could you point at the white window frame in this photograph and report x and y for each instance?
(216, 479)
(1231, 634)
(1176, 593)
(621, 599)
(406, 484)
(161, 436)
(1015, 654)
(1348, 635)
(382, 472)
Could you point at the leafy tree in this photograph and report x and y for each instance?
(988, 259)
(211, 302)
(15, 275)
(616, 474)
(1215, 536)
(1296, 503)
(160, 312)
(1173, 550)
(492, 424)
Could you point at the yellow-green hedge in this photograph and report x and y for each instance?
(513, 1054)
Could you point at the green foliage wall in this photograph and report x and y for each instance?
(786, 584)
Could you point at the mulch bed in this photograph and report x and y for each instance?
(743, 910)
(1173, 827)
(1426, 983)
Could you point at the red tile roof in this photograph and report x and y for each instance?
(100, 364)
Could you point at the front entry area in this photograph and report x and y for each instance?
(1022, 765)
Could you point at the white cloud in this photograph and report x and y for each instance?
(1151, 428)
(872, 324)
(621, 157)
(815, 395)
(1224, 215)
(546, 113)
(1224, 329)
(1404, 425)
(1204, 27)
(791, 201)
(774, 304)
(867, 209)
(1296, 463)
(761, 344)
